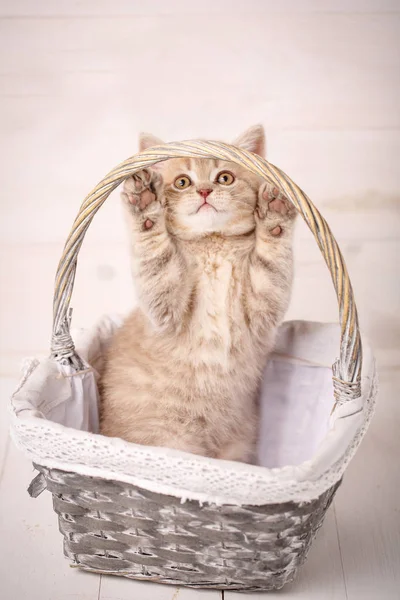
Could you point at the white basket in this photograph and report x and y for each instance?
(101, 486)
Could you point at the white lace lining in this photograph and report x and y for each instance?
(52, 411)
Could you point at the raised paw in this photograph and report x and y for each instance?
(141, 192)
(140, 189)
(274, 209)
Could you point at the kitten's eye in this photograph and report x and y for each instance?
(225, 178)
(182, 182)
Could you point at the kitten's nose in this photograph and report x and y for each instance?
(204, 192)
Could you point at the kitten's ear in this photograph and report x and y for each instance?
(253, 140)
(147, 140)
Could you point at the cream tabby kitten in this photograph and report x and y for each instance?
(212, 259)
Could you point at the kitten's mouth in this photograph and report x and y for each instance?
(205, 206)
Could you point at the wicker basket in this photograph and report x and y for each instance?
(113, 526)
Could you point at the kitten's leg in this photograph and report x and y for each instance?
(141, 196)
(270, 266)
(160, 270)
(241, 451)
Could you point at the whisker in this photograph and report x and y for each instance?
(241, 202)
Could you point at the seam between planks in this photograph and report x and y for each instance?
(340, 551)
(99, 592)
(6, 452)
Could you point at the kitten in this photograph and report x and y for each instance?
(212, 259)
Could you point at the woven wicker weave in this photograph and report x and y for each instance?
(114, 527)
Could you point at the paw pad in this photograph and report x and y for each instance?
(138, 189)
(278, 205)
(276, 231)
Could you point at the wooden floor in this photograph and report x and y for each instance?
(78, 81)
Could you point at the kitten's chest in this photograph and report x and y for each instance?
(217, 316)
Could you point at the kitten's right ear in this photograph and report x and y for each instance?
(253, 140)
(147, 140)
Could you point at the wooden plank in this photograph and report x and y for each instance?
(368, 506)
(33, 565)
(373, 269)
(307, 82)
(119, 588)
(103, 285)
(351, 176)
(320, 578)
(155, 7)
(7, 387)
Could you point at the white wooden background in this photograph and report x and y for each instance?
(78, 81)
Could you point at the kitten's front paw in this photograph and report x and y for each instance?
(141, 192)
(274, 209)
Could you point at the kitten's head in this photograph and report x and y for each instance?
(205, 196)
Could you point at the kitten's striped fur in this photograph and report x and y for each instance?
(184, 368)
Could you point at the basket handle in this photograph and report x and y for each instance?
(346, 370)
